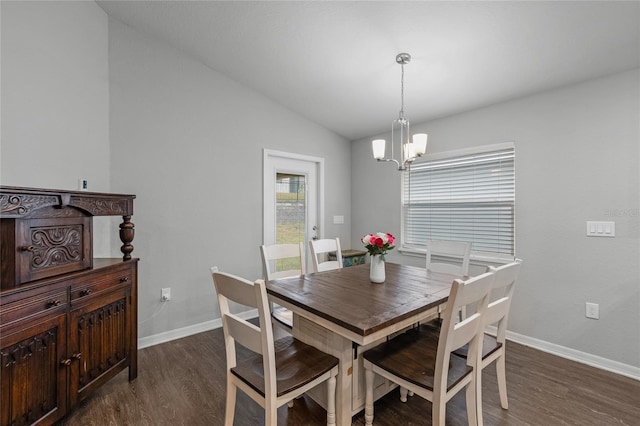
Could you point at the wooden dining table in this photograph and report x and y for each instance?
(343, 313)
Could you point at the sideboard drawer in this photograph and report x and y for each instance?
(94, 284)
(33, 305)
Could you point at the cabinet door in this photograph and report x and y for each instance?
(33, 373)
(99, 334)
(49, 247)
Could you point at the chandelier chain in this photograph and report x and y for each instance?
(402, 92)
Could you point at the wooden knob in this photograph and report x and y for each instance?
(66, 362)
(53, 303)
(86, 292)
(77, 356)
(27, 248)
(124, 279)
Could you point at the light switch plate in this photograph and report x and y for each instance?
(338, 220)
(601, 229)
(592, 310)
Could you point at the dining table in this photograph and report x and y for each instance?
(343, 313)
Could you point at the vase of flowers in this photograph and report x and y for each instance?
(378, 245)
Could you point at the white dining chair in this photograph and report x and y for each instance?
(494, 347)
(278, 371)
(281, 261)
(450, 257)
(320, 250)
(420, 360)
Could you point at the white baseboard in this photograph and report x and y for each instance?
(179, 333)
(552, 348)
(574, 355)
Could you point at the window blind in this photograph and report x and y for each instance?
(463, 197)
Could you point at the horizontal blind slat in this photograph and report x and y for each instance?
(469, 198)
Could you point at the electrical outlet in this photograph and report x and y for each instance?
(592, 310)
(166, 294)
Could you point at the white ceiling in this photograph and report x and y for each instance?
(334, 62)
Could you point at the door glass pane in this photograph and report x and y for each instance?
(290, 215)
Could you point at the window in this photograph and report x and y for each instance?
(290, 215)
(462, 195)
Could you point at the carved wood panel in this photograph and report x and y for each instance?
(101, 335)
(55, 245)
(18, 205)
(32, 380)
(39, 248)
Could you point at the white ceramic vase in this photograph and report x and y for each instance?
(376, 269)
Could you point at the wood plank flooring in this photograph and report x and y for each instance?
(182, 382)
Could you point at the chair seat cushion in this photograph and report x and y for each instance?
(411, 356)
(296, 365)
(489, 346)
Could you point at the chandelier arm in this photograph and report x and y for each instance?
(400, 167)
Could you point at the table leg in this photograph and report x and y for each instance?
(341, 348)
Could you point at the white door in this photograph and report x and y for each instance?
(293, 198)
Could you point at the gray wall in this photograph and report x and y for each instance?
(55, 99)
(86, 97)
(189, 142)
(576, 160)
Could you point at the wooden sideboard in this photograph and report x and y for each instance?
(68, 322)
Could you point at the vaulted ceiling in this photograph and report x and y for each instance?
(334, 62)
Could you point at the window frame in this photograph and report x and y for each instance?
(485, 256)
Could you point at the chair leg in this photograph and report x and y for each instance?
(502, 381)
(474, 401)
(230, 408)
(270, 415)
(331, 401)
(403, 394)
(439, 410)
(369, 375)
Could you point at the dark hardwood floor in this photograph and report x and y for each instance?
(183, 383)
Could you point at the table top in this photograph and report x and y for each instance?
(348, 299)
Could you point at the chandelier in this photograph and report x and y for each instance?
(409, 149)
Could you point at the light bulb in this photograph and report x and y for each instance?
(378, 146)
(420, 143)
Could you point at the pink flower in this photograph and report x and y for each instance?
(379, 243)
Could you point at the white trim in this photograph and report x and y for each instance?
(573, 354)
(266, 177)
(167, 336)
(477, 258)
(291, 155)
(466, 151)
